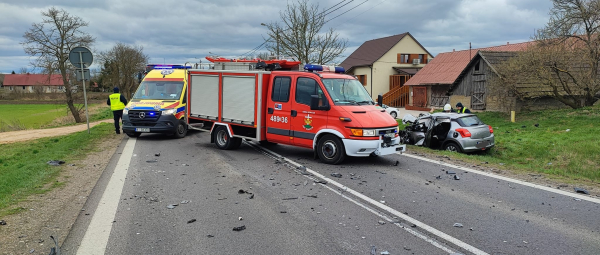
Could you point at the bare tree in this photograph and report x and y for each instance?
(51, 40)
(299, 35)
(567, 55)
(121, 65)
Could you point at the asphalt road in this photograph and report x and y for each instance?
(408, 208)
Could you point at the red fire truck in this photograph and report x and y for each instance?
(319, 108)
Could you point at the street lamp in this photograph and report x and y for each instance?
(276, 39)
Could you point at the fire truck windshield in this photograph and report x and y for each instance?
(347, 91)
(159, 90)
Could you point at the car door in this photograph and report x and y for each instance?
(279, 108)
(306, 122)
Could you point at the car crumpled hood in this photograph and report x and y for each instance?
(369, 116)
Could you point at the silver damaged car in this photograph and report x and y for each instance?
(448, 131)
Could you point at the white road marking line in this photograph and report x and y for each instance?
(537, 186)
(390, 210)
(97, 234)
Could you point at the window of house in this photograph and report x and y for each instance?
(422, 58)
(403, 58)
(23, 87)
(477, 66)
(362, 79)
(281, 89)
(10, 88)
(305, 88)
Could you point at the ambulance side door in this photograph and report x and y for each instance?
(279, 110)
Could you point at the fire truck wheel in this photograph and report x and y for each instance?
(133, 134)
(224, 141)
(331, 149)
(181, 130)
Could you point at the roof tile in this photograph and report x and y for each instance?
(33, 79)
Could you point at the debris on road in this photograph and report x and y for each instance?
(338, 175)
(381, 222)
(151, 161)
(209, 236)
(313, 196)
(406, 248)
(240, 218)
(2, 222)
(581, 190)
(387, 253)
(439, 177)
(56, 249)
(320, 181)
(397, 162)
(185, 202)
(191, 221)
(458, 225)
(289, 198)
(383, 202)
(157, 154)
(171, 206)
(239, 228)
(450, 172)
(303, 168)
(251, 196)
(456, 177)
(373, 250)
(55, 162)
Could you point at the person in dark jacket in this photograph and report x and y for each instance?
(461, 109)
(117, 103)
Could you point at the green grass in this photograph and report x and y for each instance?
(23, 167)
(549, 148)
(31, 115)
(34, 116)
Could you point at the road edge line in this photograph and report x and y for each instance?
(98, 231)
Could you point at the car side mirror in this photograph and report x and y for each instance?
(314, 103)
(380, 100)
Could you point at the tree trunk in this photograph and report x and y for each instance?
(69, 96)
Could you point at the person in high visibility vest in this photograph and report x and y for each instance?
(117, 103)
(461, 109)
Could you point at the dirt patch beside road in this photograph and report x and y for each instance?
(54, 212)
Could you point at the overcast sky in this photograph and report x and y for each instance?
(176, 32)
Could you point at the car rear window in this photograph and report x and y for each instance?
(468, 121)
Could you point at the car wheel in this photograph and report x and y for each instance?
(394, 114)
(452, 147)
(224, 141)
(181, 130)
(133, 134)
(330, 149)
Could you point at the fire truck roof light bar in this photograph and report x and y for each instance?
(323, 68)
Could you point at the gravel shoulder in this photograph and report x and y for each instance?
(32, 134)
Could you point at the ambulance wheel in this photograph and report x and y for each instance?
(133, 134)
(224, 141)
(331, 149)
(181, 130)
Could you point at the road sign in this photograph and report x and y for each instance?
(86, 74)
(86, 57)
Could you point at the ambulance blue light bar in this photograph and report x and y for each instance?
(323, 68)
(152, 66)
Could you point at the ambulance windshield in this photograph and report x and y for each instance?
(159, 90)
(347, 92)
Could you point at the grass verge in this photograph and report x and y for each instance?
(564, 144)
(23, 167)
(34, 116)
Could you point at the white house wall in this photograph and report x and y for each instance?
(382, 68)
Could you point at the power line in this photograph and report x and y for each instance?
(347, 11)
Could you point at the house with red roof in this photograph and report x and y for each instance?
(457, 76)
(30, 83)
(385, 64)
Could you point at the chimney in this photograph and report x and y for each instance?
(507, 43)
(453, 50)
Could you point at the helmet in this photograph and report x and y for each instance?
(447, 107)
